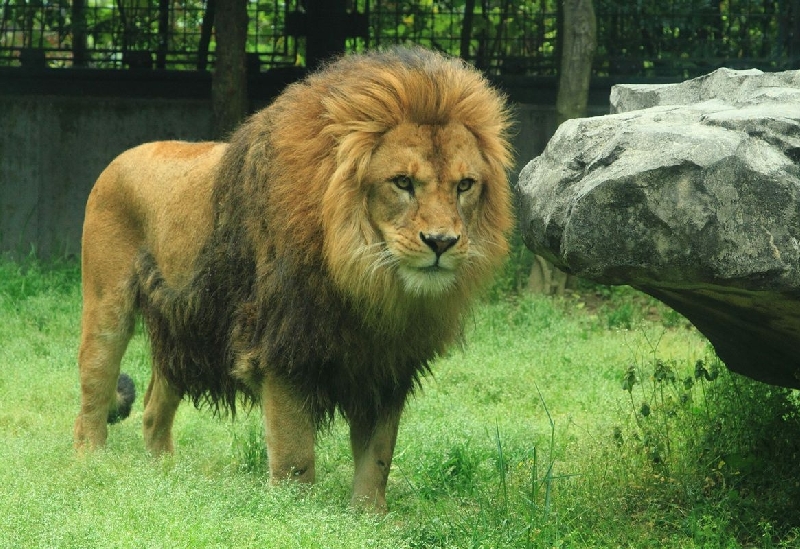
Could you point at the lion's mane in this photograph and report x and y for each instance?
(283, 285)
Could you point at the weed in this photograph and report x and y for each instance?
(249, 448)
(719, 441)
(451, 473)
(32, 277)
(541, 526)
(620, 316)
(513, 275)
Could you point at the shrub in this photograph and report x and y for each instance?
(720, 445)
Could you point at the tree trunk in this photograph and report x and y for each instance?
(578, 45)
(466, 29)
(163, 34)
(229, 82)
(326, 33)
(205, 35)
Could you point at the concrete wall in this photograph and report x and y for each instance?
(52, 148)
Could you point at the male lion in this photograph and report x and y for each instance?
(318, 262)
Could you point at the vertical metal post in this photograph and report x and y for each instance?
(326, 32)
(78, 17)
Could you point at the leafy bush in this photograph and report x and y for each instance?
(722, 445)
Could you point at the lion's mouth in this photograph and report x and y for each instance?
(436, 267)
(428, 280)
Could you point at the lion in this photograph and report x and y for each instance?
(315, 265)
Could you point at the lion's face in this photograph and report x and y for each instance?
(412, 165)
(424, 186)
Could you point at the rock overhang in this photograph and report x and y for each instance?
(690, 192)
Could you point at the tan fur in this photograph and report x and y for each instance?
(317, 263)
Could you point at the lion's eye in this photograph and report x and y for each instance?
(465, 184)
(403, 182)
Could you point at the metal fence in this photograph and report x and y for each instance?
(644, 38)
(165, 34)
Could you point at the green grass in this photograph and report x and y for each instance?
(597, 420)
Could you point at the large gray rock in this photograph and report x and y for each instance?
(691, 193)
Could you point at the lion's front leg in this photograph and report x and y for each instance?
(290, 433)
(373, 444)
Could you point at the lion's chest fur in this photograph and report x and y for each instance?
(301, 328)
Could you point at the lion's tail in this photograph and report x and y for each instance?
(126, 394)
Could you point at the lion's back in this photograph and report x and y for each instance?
(149, 195)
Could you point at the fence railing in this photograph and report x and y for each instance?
(646, 38)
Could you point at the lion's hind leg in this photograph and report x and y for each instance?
(106, 397)
(108, 316)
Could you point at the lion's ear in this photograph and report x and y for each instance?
(353, 154)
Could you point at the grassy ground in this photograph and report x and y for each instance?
(598, 420)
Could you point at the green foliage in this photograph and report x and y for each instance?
(32, 277)
(501, 36)
(721, 443)
(685, 38)
(249, 448)
(452, 473)
(513, 276)
(678, 38)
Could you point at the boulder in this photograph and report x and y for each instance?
(691, 193)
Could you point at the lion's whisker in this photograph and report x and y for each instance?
(385, 259)
(490, 243)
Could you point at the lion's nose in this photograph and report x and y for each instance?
(439, 243)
